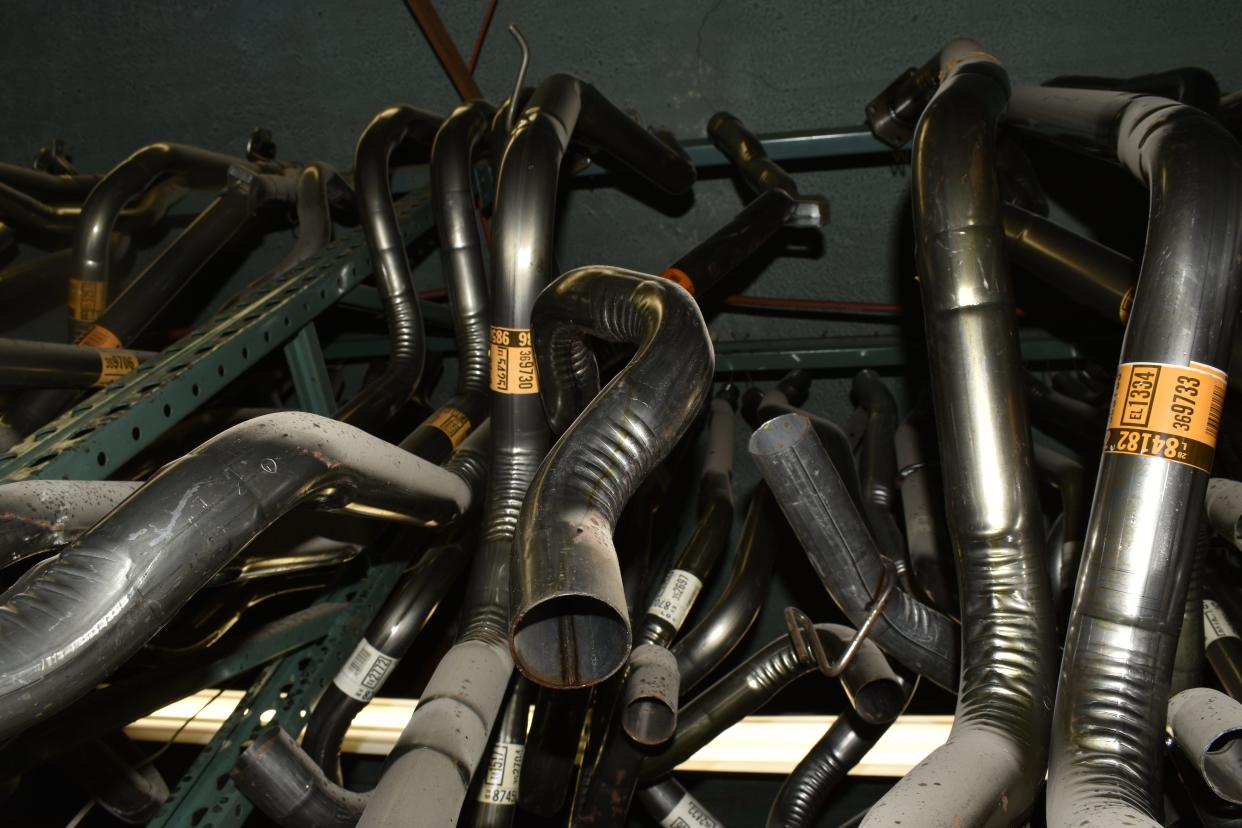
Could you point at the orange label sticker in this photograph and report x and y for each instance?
(513, 362)
(113, 365)
(97, 336)
(455, 425)
(87, 299)
(1167, 411)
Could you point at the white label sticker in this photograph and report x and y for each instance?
(676, 596)
(1215, 624)
(689, 813)
(500, 777)
(365, 671)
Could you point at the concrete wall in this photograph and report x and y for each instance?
(109, 77)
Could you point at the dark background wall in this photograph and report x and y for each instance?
(110, 77)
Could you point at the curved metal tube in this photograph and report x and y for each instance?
(46, 185)
(524, 257)
(842, 551)
(1001, 723)
(804, 792)
(570, 623)
(26, 211)
(146, 294)
(388, 131)
(387, 639)
(117, 584)
(1190, 85)
(877, 468)
(461, 260)
(709, 642)
(132, 176)
(1111, 700)
(775, 403)
(1207, 728)
(41, 515)
(875, 691)
(290, 789)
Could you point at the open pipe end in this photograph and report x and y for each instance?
(779, 435)
(650, 696)
(1222, 766)
(570, 640)
(649, 722)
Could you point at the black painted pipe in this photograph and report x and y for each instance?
(107, 200)
(386, 394)
(461, 260)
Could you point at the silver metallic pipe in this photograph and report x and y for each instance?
(66, 627)
(988, 772)
(1112, 696)
(570, 624)
(384, 396)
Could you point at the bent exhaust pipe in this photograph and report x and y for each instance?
(570, 624)
(107, 200)
(119, 583)
(461, 259)
(1128, 606)
(1001, 723)
(385, 395)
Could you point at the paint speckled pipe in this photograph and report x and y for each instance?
(68, 626)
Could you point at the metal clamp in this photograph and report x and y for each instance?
(807, 644)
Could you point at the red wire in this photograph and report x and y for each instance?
(478, 43)
(777, 303)
(428, 295)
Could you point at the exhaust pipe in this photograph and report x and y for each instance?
(387, 393)
(876, 693)
(434, 765)
(120, 582)
(1001, 723)
(44, 515)
(841, 549)
(1112, 696)
(570, 624)
(461, 260)
(88, 288)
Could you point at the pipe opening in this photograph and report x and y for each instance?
(593, 639)
(649, 721)
(1222, 766)
(880, 700)
(779, 434)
